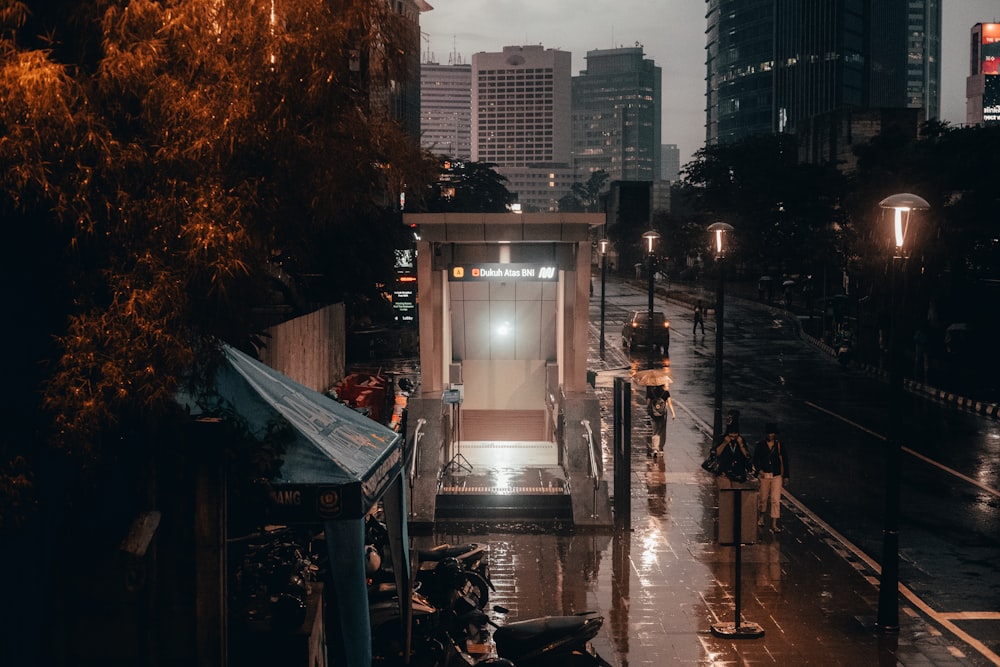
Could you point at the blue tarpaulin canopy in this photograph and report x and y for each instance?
(340, 462)
(338, 465)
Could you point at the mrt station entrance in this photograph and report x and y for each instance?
(503, 305)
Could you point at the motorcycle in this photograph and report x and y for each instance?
(433, 642)
(272, 577)
(845, 348)
(444, 573)
(542, 641)
(462, 568)
(844, 354)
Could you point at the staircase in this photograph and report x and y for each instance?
(515, 473)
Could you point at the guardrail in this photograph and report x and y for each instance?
(595, 472)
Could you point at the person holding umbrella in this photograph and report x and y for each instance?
(658, 404)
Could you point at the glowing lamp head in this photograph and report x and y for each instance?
(650, 239)
(902, 205)
(719, 230)
(602, 246)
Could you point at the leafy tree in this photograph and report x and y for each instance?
(155, 158)
(776, 205)
(589, 193)
(468, 187)
(570, 203)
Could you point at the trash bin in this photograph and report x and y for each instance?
(743, 495)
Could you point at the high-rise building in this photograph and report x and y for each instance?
(923, 60)
(774, 63)
(520, 121)
(670, 162)
(402, 97)
(446, 109)
(616, 116)
(982, 98)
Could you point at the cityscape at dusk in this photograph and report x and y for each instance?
(354, 333)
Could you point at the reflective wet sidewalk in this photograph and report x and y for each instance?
(663, 582)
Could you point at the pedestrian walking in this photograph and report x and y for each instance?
(734, 457)
(699, 318)
(770, 460)
(658, 404)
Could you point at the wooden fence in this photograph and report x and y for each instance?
(309, 349)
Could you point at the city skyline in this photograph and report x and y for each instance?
(672, 34)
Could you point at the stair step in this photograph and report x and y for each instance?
(545, 506)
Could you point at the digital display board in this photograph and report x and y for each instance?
(990, 49)
(404, 295)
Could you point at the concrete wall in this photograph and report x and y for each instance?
(504, 384)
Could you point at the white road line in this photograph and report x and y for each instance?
(942, 619)
(909, 451)
(945, 619)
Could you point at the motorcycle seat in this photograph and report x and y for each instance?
(443, 551)
(537, 631)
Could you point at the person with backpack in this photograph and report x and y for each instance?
(658, 403)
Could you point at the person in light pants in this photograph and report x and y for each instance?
(770, 460)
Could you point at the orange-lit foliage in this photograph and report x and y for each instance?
(201, 136)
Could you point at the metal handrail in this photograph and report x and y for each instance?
(595, 472)
(589, 435)
(417, 436)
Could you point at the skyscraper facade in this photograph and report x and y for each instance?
(402, 97)
(923, 62)
(617, 106)
(446, 109)
(520, 102)
(774, 63)
(520, 120)
(670, 162)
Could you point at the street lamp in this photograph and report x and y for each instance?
(650, 239)
(887, 621)
(718, 230)
(602, 247)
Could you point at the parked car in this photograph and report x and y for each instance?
(636, 332)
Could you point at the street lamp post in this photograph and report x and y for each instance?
(602, 247)
(887, 621)
(719, 231)
(650, 238)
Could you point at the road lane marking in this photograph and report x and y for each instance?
(972, 616)
(944, 619)
(909, 451)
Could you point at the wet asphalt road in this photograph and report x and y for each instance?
(834, 422)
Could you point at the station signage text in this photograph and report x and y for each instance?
(515, 272)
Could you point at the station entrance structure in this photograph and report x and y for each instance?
(500, 416)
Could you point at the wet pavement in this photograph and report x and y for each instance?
(663, 581)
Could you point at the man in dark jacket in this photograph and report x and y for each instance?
(734, 457)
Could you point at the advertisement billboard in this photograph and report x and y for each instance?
(989, 49)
